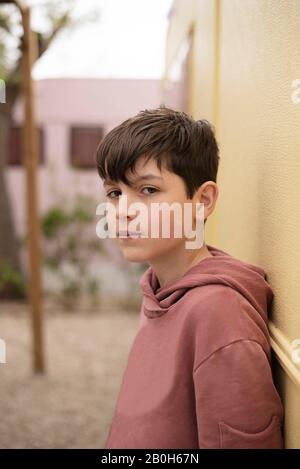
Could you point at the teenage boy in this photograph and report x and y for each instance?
(199, 370)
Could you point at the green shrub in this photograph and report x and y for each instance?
(12, 285)
(69, 239)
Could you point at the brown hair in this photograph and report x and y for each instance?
(187, 147)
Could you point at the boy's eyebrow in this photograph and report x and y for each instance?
(144, 177)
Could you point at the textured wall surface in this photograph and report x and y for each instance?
(246, 55)
(259, 132)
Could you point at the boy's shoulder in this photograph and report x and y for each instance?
(214, 299)
(218, 315)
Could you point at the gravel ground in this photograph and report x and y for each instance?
(71, 405)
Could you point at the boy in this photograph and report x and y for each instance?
(199, 370)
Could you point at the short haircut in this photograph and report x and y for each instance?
(185, 146)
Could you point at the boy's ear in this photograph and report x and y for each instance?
(208, 194)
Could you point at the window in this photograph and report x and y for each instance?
(84, 143)
(15, 154)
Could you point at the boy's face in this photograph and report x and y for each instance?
(149, 186)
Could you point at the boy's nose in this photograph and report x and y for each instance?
(123, 208)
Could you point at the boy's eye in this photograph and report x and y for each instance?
(151, 189)
(109, 194)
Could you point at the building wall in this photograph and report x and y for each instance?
(245, 58)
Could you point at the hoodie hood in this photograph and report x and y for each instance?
(220, 268)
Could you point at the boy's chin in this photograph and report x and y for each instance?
(132, 256)
(147, 253)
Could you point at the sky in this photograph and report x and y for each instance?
(126, 41)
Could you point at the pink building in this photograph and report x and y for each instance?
(73, 114)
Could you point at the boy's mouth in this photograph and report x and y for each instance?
(129, 234)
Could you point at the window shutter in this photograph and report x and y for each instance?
(15, 153)
(84, 143)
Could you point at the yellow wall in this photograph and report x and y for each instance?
(245, 56)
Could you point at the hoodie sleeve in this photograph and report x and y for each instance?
(237, 404)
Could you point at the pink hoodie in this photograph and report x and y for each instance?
(199, 370)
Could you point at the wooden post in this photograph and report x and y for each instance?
(31, 161)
